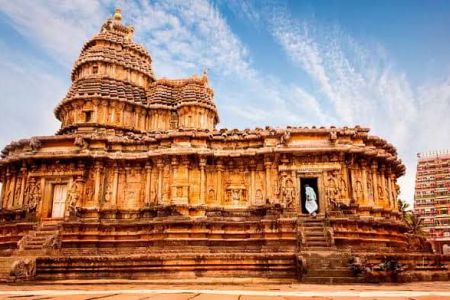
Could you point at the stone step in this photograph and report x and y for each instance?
(315, 249)
(329, 273)
(45, 233)
(38, 238)
(315, 238)
(332, 280)
(316, 243)
(318, 224)
(32, 247)
(326, 263)
(35, 242)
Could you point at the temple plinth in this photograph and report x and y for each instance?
(139, 183)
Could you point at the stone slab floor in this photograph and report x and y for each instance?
(133, 290)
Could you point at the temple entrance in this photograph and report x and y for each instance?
(59, 200)
(304, 183)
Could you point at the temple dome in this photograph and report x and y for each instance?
(112, 52)
(113, 87)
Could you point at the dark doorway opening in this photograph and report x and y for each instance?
(312, 182)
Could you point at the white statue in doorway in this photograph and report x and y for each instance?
(311, 200)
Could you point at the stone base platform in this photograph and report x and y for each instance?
(168, 266)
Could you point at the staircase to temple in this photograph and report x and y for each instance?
(328, 267)
(314, 233)
(324, 263)
(40, 240)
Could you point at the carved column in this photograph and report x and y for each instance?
(160, 166)
(2, 196)
(394, 191)
(115, 185)
(268, 189)
(364, 182)
(344, 185)
(369, 178)
(121, 114)
(352, 185)
(12, 190)
(23, 170)
(383, 184)
(202, 164)
(148, 182)
(97, 175)
(104, 116)
(375, 183)
(219, 188)
(137, 118)
(175, 180)
(252, 167)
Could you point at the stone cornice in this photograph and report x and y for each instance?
(220, 143)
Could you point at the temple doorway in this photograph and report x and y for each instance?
(304, 183)
(59, 200)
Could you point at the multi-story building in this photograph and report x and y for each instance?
(432, 196)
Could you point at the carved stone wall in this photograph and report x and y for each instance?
(195, 181)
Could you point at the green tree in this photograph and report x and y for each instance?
(415, 225)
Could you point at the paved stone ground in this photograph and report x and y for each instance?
(71, 290)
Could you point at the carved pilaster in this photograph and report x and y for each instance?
(120, 113)
(98, 180)
(115, 185)
(268, 189)
(137, 118)
(389, 188)
(12, 189)
(2, 196)
(376, 198)
(148, 182)
(383, 185)
(23, 170)
(394, 191)
(364, 182)
(219, 184)
(352, 185)
(104, 116)
(252, 167)
(202, 164)
(159, 166)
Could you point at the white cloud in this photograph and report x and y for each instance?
(359, 82)
(60, 27)
(29, 94)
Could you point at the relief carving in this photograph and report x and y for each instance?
(17, 191)
(35, 144)
(259, 196)
(287, 191)
(369, 186)
(211, 196)
(73, 197)
(332, 187)
(380, 192)
(23, 269)
(359, 190)
(89, 191)
(343, 188)
(33, 195)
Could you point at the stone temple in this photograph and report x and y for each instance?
(138, 183)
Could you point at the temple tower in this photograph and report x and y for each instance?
(114, 87)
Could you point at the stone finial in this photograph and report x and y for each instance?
(118, 14)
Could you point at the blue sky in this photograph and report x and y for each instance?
(380, 64)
